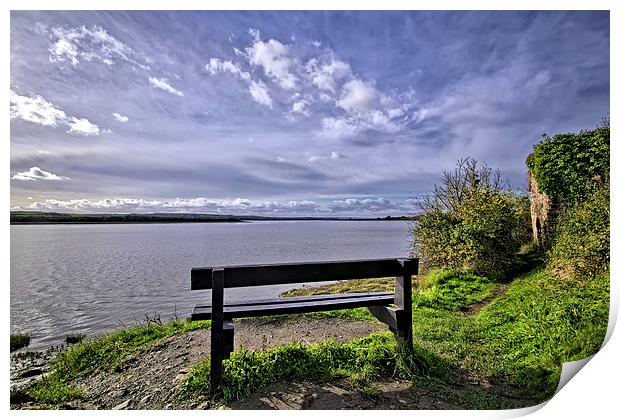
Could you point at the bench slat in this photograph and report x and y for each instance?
(288, 306)
(259, 275)
(278, 300)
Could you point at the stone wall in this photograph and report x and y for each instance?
(544, 212)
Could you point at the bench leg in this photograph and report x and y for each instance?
(229, 338)
(403, 300)
(217, 330)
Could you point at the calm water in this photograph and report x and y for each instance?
(91, 278)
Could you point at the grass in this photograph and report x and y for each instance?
(517, 343)
(19, 341)
(106, 353)
(360, 360)
(347, 286)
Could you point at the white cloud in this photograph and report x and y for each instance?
(358, 97)
(93, 43)
(379, 204)
(282, 159)
(273, 57)
(119, 117)
(82, 126)
(326, 76)
(165, 86)
(333, 155)
(36, 110)
(198, 204)
(44, 152)
(316, 44)
(215, 66)
(258, 90)
(36, 173)
(301, 107)
(336, 128)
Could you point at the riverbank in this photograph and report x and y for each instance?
(478, 345)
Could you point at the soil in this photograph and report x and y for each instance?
(473, 310)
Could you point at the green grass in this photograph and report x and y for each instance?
(347, 286)
(106, 353)
(360, 360)
(517, 343)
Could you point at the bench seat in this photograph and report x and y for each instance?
(293, 305)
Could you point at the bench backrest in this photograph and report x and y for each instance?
(267, 274)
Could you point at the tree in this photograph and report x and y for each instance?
(472, 221)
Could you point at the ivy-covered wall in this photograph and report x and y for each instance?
(564, 170)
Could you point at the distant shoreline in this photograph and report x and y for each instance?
(49, 218)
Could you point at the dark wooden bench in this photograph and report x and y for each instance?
(394, 309)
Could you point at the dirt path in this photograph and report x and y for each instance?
(152, 378)
(473, 310)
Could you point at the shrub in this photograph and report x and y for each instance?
(567, 166)
(581, 244)
(19, 340)
(472, 221)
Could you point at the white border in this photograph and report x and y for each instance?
(593, 393)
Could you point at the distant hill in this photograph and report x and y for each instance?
(36, 217)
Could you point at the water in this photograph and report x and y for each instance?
(90, 279)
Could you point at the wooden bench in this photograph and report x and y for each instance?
(394, 309)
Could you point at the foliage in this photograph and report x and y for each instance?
(581, 245)
(518, 342)
(359, 360)
(568, 166)
(472, 222)
(19, 340)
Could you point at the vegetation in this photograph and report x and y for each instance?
(377, 355)
(36, 217)
(568, 167)
(581, 244)
(471, 222)
(105, 353)
(19, 340)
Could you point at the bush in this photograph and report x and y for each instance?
(472, 222)
(19, 340)
(567, 166)
(581, 244)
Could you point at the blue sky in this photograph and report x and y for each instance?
(288, 113)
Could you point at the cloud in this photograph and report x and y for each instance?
(379, 204)
(119, 117)
(76, 44)
(37, 110)
(259, 93)
(197, 204)
(35, 173)
(358, 97)
(82, 126)
(165, 86)
(333, 155)
(301, 107)
(273, 57)
(215, 66)
(325, 76)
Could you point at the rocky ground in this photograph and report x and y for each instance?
(151, 379)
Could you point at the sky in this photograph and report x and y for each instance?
(288, 113)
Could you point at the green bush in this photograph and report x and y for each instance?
(472, 222)
(568, 166)
(19, 340)
(581, 245)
